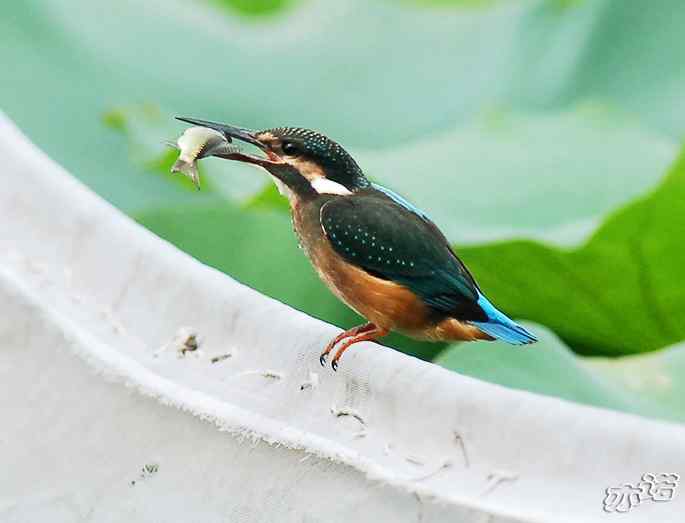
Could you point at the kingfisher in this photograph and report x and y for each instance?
(379, 254)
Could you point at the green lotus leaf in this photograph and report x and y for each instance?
(619, 293)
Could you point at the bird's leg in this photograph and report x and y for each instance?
(367, 335)
(347, 334)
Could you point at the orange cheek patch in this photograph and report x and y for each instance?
(308, 169)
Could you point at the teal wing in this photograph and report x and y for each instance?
(386, 239)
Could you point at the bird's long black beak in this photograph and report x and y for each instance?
(229, 131)
(239, 133)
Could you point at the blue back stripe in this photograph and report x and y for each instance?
(398, 199)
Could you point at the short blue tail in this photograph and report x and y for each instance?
(499, 326)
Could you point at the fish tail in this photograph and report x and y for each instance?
(189, 169)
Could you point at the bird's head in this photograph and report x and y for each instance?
(305, 161)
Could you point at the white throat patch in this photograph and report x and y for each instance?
(325, 186)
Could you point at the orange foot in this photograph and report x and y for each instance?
(365, 332)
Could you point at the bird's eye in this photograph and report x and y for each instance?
(290, 148)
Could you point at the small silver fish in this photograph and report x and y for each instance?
(197, 143)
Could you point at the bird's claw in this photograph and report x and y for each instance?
(324, 357)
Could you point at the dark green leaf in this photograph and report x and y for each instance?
(620, 293)
(255, 7)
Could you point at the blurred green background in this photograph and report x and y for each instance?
(543, 137)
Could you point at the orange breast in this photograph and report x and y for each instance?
(382, 302)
